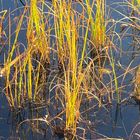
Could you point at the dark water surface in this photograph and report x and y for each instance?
(112, 121)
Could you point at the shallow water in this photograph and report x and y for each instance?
(111, 121)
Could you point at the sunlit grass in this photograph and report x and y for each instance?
(59, 21)
(67, 27)
(9, 63)
(136, 2)
(37, 46)
(81, 46)
(37, 40)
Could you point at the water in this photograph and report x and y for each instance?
(111, 121)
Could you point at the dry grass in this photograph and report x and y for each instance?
(80, 46)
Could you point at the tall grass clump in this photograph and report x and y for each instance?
(66, 31)
(73, 57)
(96, 15)
(38, 43)
(98, 25)
(30, 65)
(80, 47)
(9, 63)
(95, 11)
(59, 21)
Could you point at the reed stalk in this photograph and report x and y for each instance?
(37, 40)
(66, 33)
(97, 24)
(59, 20)
(9, 63)
(37, 45)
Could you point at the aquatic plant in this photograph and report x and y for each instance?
(80, 46)
(136, 2)
(97, 27)
(2, 16)
(9, 62)
(66, 33)
(26, 76)
(59, 21)
(137, 84)
(38, 42)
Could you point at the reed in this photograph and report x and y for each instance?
(75, 75)
(136, 2)
(65, 28)
(60, 17)
(97, 27)
(25, 75)
(9, 63)
(66, 31)
(37, 40)
(81, 75)
(2, 17)
(95, 11)
(112, 63)
(71, 91)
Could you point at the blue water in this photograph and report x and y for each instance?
(109, 122)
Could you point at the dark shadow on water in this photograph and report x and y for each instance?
(118, 114)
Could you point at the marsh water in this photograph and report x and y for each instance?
(108, 121)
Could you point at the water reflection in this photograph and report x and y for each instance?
(111, 121)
